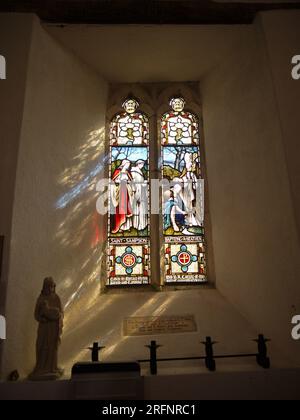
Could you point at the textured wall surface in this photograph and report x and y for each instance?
(15, 36)
(281, 47)
(254, 230)
(61, 145)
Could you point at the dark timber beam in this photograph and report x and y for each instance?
(142, 11)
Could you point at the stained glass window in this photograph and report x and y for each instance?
(129, 229)
(183, 215)
(179, 127)
(129, 127)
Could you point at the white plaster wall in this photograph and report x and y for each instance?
(102, 319)
(61, 142)
(282, 45)
(15, 37)
(254, 230)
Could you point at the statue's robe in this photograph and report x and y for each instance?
(49, 314)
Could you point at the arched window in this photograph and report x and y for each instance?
(183, 210)
(181, 233)
(129, 229)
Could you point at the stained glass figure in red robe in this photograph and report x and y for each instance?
(121, 195)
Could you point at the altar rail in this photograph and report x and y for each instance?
(261, 355)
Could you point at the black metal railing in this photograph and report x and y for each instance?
(261, 355)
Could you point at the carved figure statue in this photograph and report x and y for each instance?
(49, 314)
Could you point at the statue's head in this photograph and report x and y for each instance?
(48, 286)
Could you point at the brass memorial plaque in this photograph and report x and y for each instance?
(152, 325)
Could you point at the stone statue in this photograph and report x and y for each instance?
(49, 314)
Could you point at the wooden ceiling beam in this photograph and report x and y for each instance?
(141, 11)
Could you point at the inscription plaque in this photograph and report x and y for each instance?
(152, 325)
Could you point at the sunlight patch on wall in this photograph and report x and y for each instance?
(76, 178)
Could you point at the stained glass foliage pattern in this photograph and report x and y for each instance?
(183, 222)
(178, 128)
(129, 229)
(129, 129)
